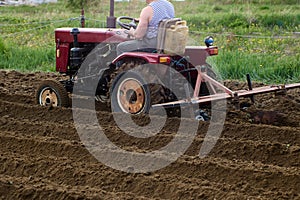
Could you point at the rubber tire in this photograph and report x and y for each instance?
(116, 83)
(58, 89)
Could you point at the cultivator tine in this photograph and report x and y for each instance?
(236, 101)
(250, 87)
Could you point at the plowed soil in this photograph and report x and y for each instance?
(42, 157)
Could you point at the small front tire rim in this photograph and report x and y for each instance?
(48, 97)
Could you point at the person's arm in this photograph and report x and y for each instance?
(145, 17)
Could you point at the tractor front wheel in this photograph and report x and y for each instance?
(52, 93)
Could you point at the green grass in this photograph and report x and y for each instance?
(266, 59)
(254, 36)
(27, 59)
(267, 68)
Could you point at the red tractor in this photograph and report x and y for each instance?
(89, 55)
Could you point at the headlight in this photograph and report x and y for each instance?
(209, 41)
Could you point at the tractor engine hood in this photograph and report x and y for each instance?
(91, 35)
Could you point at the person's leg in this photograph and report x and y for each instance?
(136, 45)
(127, 46)
(150, 43)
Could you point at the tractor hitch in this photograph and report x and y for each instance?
(220, 92)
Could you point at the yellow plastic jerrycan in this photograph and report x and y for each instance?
(176, 38)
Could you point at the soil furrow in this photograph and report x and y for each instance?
(37, 188)
(82, 174)
(42, 157)
(258, 151)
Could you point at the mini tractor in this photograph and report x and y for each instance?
(89, 54)
(96, 49)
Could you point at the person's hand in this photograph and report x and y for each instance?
(131, 32)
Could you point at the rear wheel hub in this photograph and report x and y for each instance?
(131, 96)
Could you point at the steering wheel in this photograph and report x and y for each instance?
(128, 25)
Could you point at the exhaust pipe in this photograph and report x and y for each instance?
(111, 20)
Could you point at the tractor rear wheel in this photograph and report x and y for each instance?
(130, 94)
(52, 93)
(141, 96)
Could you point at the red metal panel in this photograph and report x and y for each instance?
(62, 57)
(149, 57)
(197, 54)
(92, 35)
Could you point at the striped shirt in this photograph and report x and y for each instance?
(162, 9)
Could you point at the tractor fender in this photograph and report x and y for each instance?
(151, 58)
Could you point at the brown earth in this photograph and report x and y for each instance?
(42, 157)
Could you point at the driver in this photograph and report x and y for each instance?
(145, 35)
